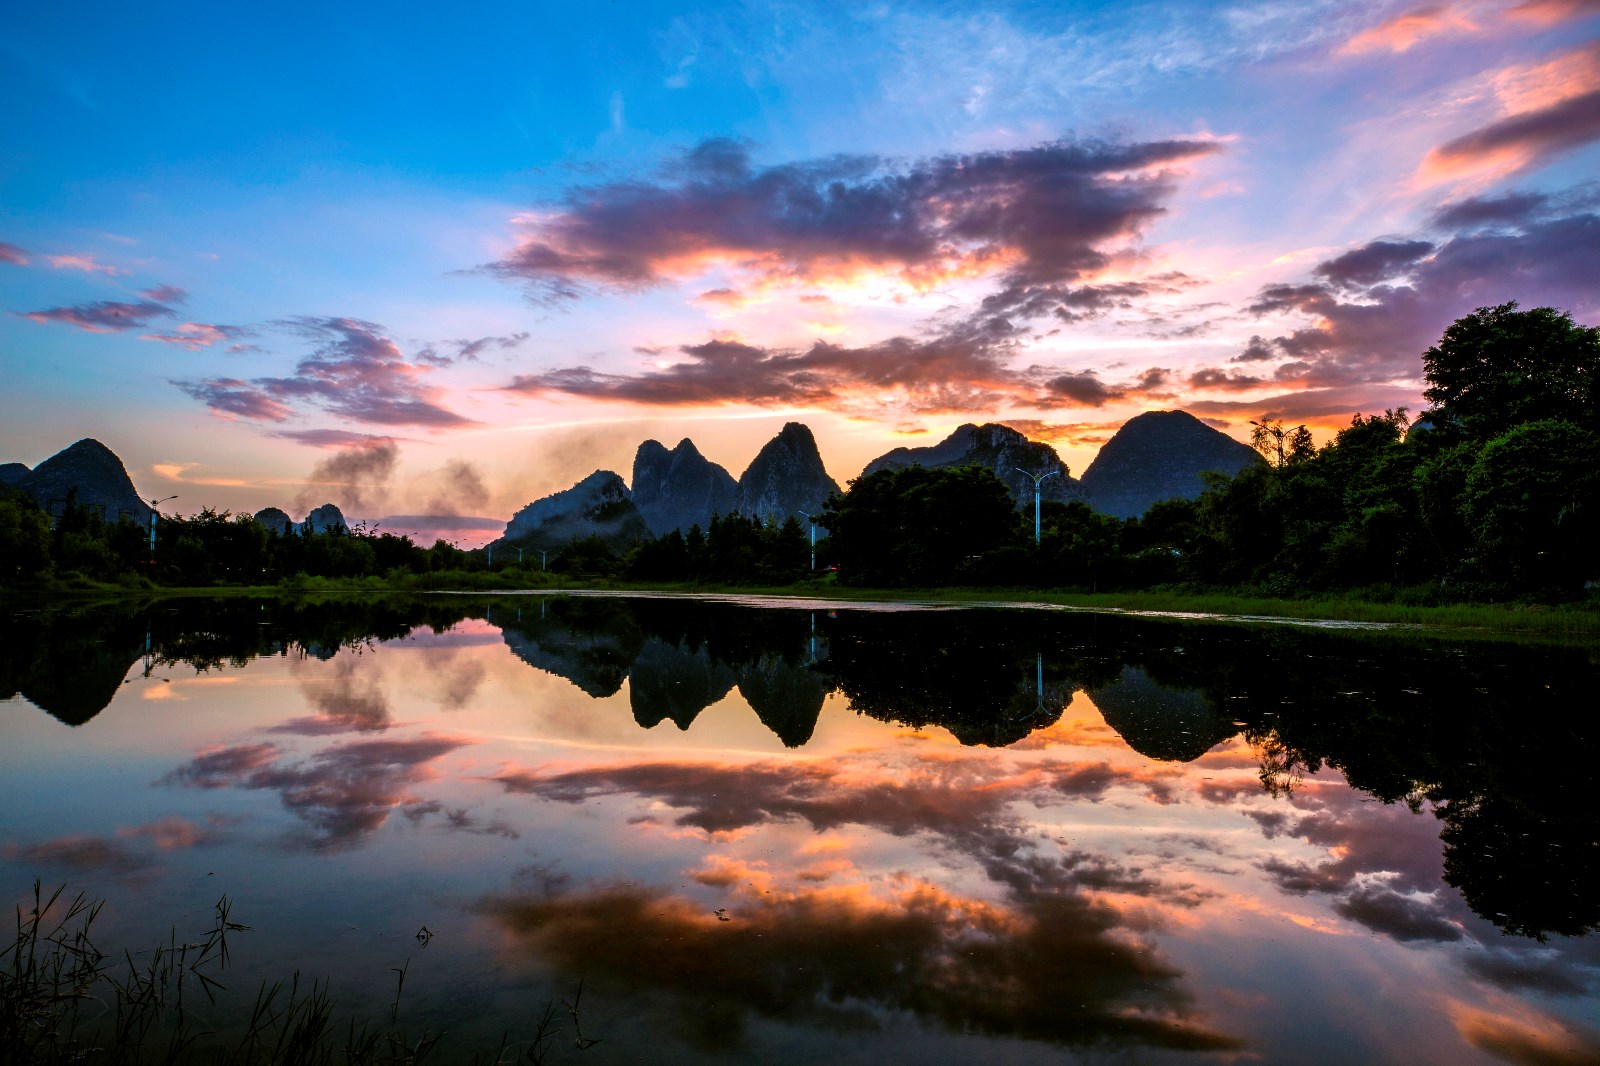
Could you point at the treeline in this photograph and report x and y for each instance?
(1493, 493)
(208, 548)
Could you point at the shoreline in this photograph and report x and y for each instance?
(1570, 623)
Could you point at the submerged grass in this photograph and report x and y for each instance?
(64, 1000)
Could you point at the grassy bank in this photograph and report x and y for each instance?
(1578, 621)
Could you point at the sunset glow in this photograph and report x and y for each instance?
(505, 247)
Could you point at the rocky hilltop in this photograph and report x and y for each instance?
(324, 519)
(785, 478)
(679, 489)
(1159, 455)
(599, 505)
(275, 519)
(96, 474)
(993, 447)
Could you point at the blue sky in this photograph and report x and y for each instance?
(354, 251)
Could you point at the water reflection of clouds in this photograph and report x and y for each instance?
(1055, 966)
(344, 792)
(128, 853)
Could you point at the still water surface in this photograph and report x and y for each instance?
(792, 835)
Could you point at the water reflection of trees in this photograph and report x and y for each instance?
(1472, 732)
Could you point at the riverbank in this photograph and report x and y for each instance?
(1578, 622)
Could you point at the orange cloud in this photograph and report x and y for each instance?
(1404, 32)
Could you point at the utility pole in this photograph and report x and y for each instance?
(153, 505)
(813, 522)
(1036, 479)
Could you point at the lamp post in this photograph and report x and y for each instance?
(813, 522)
(543, 557)
(1036, 479)
(153, 505)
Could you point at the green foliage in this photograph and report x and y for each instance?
(917, 526)
(1499, 367)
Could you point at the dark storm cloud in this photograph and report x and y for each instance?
(1372, 263)
(1211, 378)
(356, 372)
(1085, 389)
(1097, 301)
(1038, 214)
(1512, 208)
(961, 371)
(1401, 917)
(1376, 333)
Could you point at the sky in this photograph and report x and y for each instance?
(426, 264)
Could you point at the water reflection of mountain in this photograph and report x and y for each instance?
(71, 662)
(1159, 722)
(678, 657)
(1480, 733)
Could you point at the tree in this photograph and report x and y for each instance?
(1279, 445)
(1499, 367)
(917, 526)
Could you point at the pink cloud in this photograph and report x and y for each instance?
(196, 335)
(10, 253)
(356, 372)
(86, 263)
(1406, 31)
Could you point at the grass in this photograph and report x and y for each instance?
(64, 1000)
(1578, 621)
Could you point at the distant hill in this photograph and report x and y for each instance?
(785, 478)
(1156, 456)
(324, 518)
(94, 471)
(679, 489)
(11, 473)
(600, 506)
(997, 448)
(274, 519)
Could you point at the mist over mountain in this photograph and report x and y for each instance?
(997, 448)
(1156, 456)
(681, 488)
(785, 478)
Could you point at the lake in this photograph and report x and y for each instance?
(828, 831)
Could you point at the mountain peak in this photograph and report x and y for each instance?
(994, 447)
(786, 477)
(1160, 455)
(679, 489)
(93, 475)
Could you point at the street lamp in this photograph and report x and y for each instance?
(153, 505)
(813, 522)
(1036, 479)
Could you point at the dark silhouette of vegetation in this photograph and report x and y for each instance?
(1493, 493)
(1471, 732)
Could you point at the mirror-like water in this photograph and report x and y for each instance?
(795, 834)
